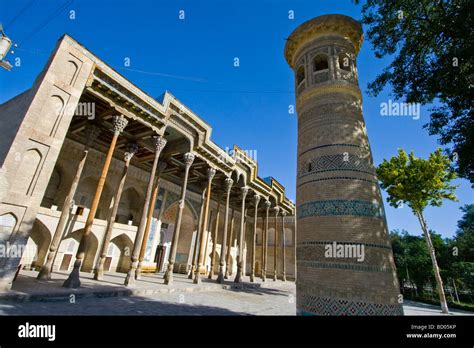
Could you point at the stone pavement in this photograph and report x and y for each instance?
(149, 297)
(418, 308)
(27, 288)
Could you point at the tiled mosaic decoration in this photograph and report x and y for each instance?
(313, 305)
(340, 207)
(347, 161)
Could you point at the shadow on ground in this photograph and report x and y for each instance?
(135, 305)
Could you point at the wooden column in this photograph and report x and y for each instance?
(294, 246)
(160, 218)
(256, 200)
(73, 281)
(188, 161)
(198, 234)
(267, 205)
(159, 144)
(214, 236)
(99, 269)
(207, 233)
(92, 131)
(240, 257)
(197, 273)
(275, 246)
(228, 268)
(283, 272)
(227, 186)
(151, 209)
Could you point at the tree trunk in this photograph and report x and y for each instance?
(439, 281)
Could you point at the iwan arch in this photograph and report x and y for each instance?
(140, 187)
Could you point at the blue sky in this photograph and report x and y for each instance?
(246, 105)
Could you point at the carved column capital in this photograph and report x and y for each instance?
(160, 143)
(210, 173)
(244, 190)
(256, 199)
(119, 122)
(228, 182)
(276, 210)
(92, 131)
(267, 205)
(283, 213)
(189, 159)
(132, 149)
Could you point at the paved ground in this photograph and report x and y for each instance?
(151, 297)
(418, 308)
(222, 302)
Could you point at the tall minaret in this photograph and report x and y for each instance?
(344, 258)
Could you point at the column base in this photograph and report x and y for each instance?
(98, 274)
(226, 273)
(44, 273)
(169, 280)
(138, 274)
(191, 272)
(220, 276)
(238, 276)
(130, 278)
(168, 277)
(197, 277)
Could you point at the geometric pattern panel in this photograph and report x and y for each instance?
(313, 305)
(340, 207)
(343, 265)
(345, 161)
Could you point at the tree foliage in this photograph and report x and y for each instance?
(414, 266)
(417, 182)
(431, 44)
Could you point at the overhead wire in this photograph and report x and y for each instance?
(18, 15)
(38, 28)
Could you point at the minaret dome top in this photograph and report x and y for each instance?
(332, 24)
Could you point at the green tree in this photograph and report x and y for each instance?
(463, 261)
(412, 259)
(419, 183)
(430, 43)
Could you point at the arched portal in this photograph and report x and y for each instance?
(130, 207)
(188, 224)
(37, 246)
(119, 258)
(71, 244)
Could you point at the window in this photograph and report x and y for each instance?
(344, 62)
(300, 75)
(7, 225)
(310, 167)
(70, 247)
(320, 62)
